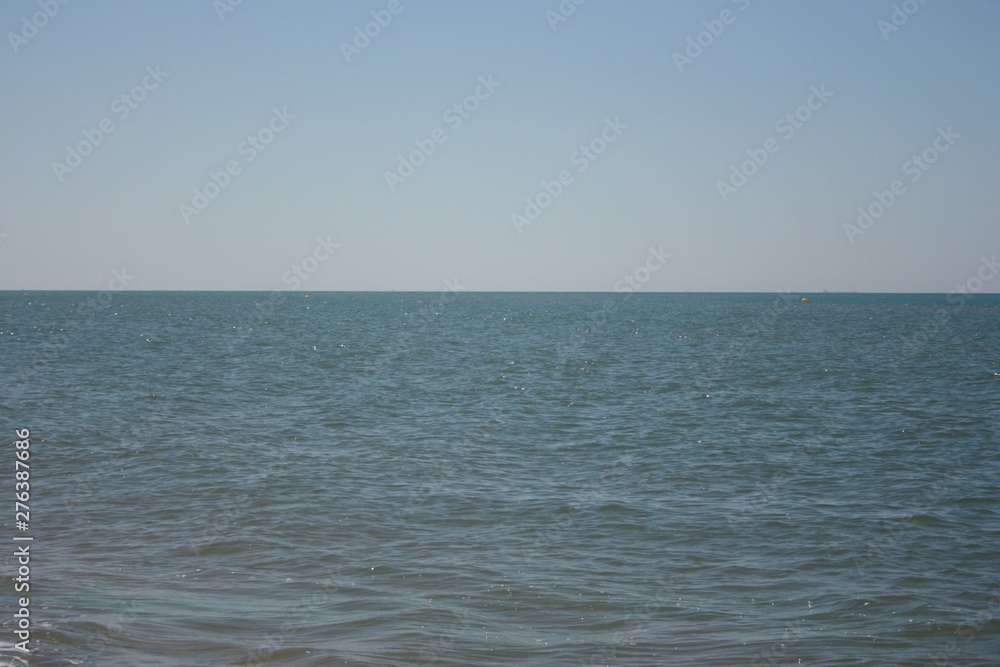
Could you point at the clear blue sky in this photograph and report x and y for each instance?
(609, 67)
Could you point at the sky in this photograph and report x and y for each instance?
(721, 145)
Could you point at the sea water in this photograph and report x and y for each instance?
(381, 479)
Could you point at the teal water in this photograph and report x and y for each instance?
(379, 479)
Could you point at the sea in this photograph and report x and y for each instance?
(473, 479)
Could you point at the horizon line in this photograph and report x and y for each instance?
(609, 292)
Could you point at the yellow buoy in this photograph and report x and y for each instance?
(805, 300)
(307, 296)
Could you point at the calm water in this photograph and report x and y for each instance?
(505, 479)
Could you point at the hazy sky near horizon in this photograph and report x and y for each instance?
(500, 145)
